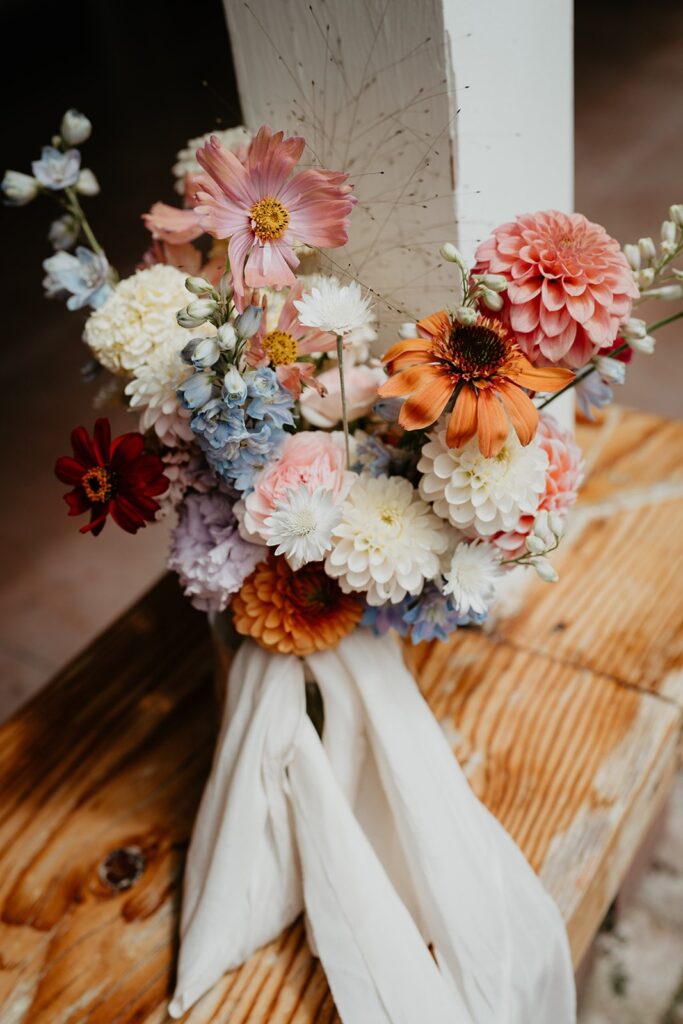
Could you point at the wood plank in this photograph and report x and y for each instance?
(618, 608)
(114, 754)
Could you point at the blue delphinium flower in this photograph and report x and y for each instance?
(378, 458)
(268, 400)
(56, 170)
(385, 617)
(593, 393)
(254, 452)
(197, 390)
(87, 276)
(431, 616)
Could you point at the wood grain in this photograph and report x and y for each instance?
(114, 753)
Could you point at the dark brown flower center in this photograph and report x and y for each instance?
(478, 350)
(98, 484)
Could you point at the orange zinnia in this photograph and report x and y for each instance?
(294, 612)
(482, 366)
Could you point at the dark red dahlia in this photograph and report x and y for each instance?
(116, 478)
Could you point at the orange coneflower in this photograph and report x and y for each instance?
(481, 365)
(294, 612)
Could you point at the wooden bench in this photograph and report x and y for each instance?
(566, 719)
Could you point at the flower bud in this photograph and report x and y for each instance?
(633, 328)
(491, 300)
(646, 344)
(645, 277)
(632, 254)
(198, 285)
(247, 323)
(545, 570)
(452, 254)
(196, 391)
(535, 545)
(407, 330)
(87, 184)
(611, 370)
(75, 128)
(18, 189)
(648, 250)
(556, 525)
(202, 309)
(204, 353)
(668, 292)
(466, 315)
(227, 338)
(184, 319)
(676, 214)
(225, 289)
(668, 248)
(541, 527)
(234, 387)
(496, 282)
(64, 232)
(668, 231)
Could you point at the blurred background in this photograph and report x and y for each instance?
(150, 76)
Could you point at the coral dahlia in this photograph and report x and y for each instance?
(569, 284)
(294, 612)
(116, 478)
(481, 367)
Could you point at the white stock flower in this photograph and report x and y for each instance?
(152, 392)
(333, 307)
(138, 317)
(301, 526)
(388, 541)
(186, 159)
(479, 495)
(471, 576)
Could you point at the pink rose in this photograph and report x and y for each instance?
(317, 460)
(325, 411)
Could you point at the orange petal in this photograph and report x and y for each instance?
(405, 347)
(538, 378)
(521, 410)
(462, 424)
(492, 422)
(408, 381)
(437, 325)
(427, 403)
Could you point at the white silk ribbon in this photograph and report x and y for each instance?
(377, 834)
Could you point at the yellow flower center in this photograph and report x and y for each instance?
(269, 219)
(98, 484)
(281, 347)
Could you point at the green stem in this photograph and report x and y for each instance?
(79, 213)
(342, 387)
(622, 348)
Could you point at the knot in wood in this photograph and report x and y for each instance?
(122, 868)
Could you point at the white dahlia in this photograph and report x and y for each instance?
(301, 526)
(477, 495)
(152, 392)
(388, 541)
(139, 316)
(235, 139)
(471, 576)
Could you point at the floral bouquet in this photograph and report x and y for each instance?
(325, 495)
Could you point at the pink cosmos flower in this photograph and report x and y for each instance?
(171, 224)
(564, 476)
(325, 410)
(569, 288)
(312, 458)
(264, 212)
(282, 346)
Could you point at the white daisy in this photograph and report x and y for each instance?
(153, 392)
(186, 160)
(388, 541)
(137, 317)
(478, 495)
(471, 576)
(301, 526)
(333, 307)
(358, 342)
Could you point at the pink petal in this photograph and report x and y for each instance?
(268, 266)
(525, 318)
(573, 286)
(239, 248)
(228, 173)
(520, 293)
(553, 294)
(554, 321)
(271, 159)
(555, 349)
(581, 307)
(601, 328)
(170, 224)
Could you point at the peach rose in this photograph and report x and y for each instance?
(325, 411)
(317, 460)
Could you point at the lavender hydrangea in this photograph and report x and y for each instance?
(208, 553)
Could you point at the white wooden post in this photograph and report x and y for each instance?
(451, 116)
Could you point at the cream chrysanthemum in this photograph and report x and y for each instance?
(477, 495)
(301, 526)
(139, 316)
(234, 139)
(153, 393)
(388, 541)
(471, 576)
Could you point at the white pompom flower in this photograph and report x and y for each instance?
(388, 542)
(138, 317)
(471, 576)
(335, 308)
(301, 526)
(477, 495)
(153, 393)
